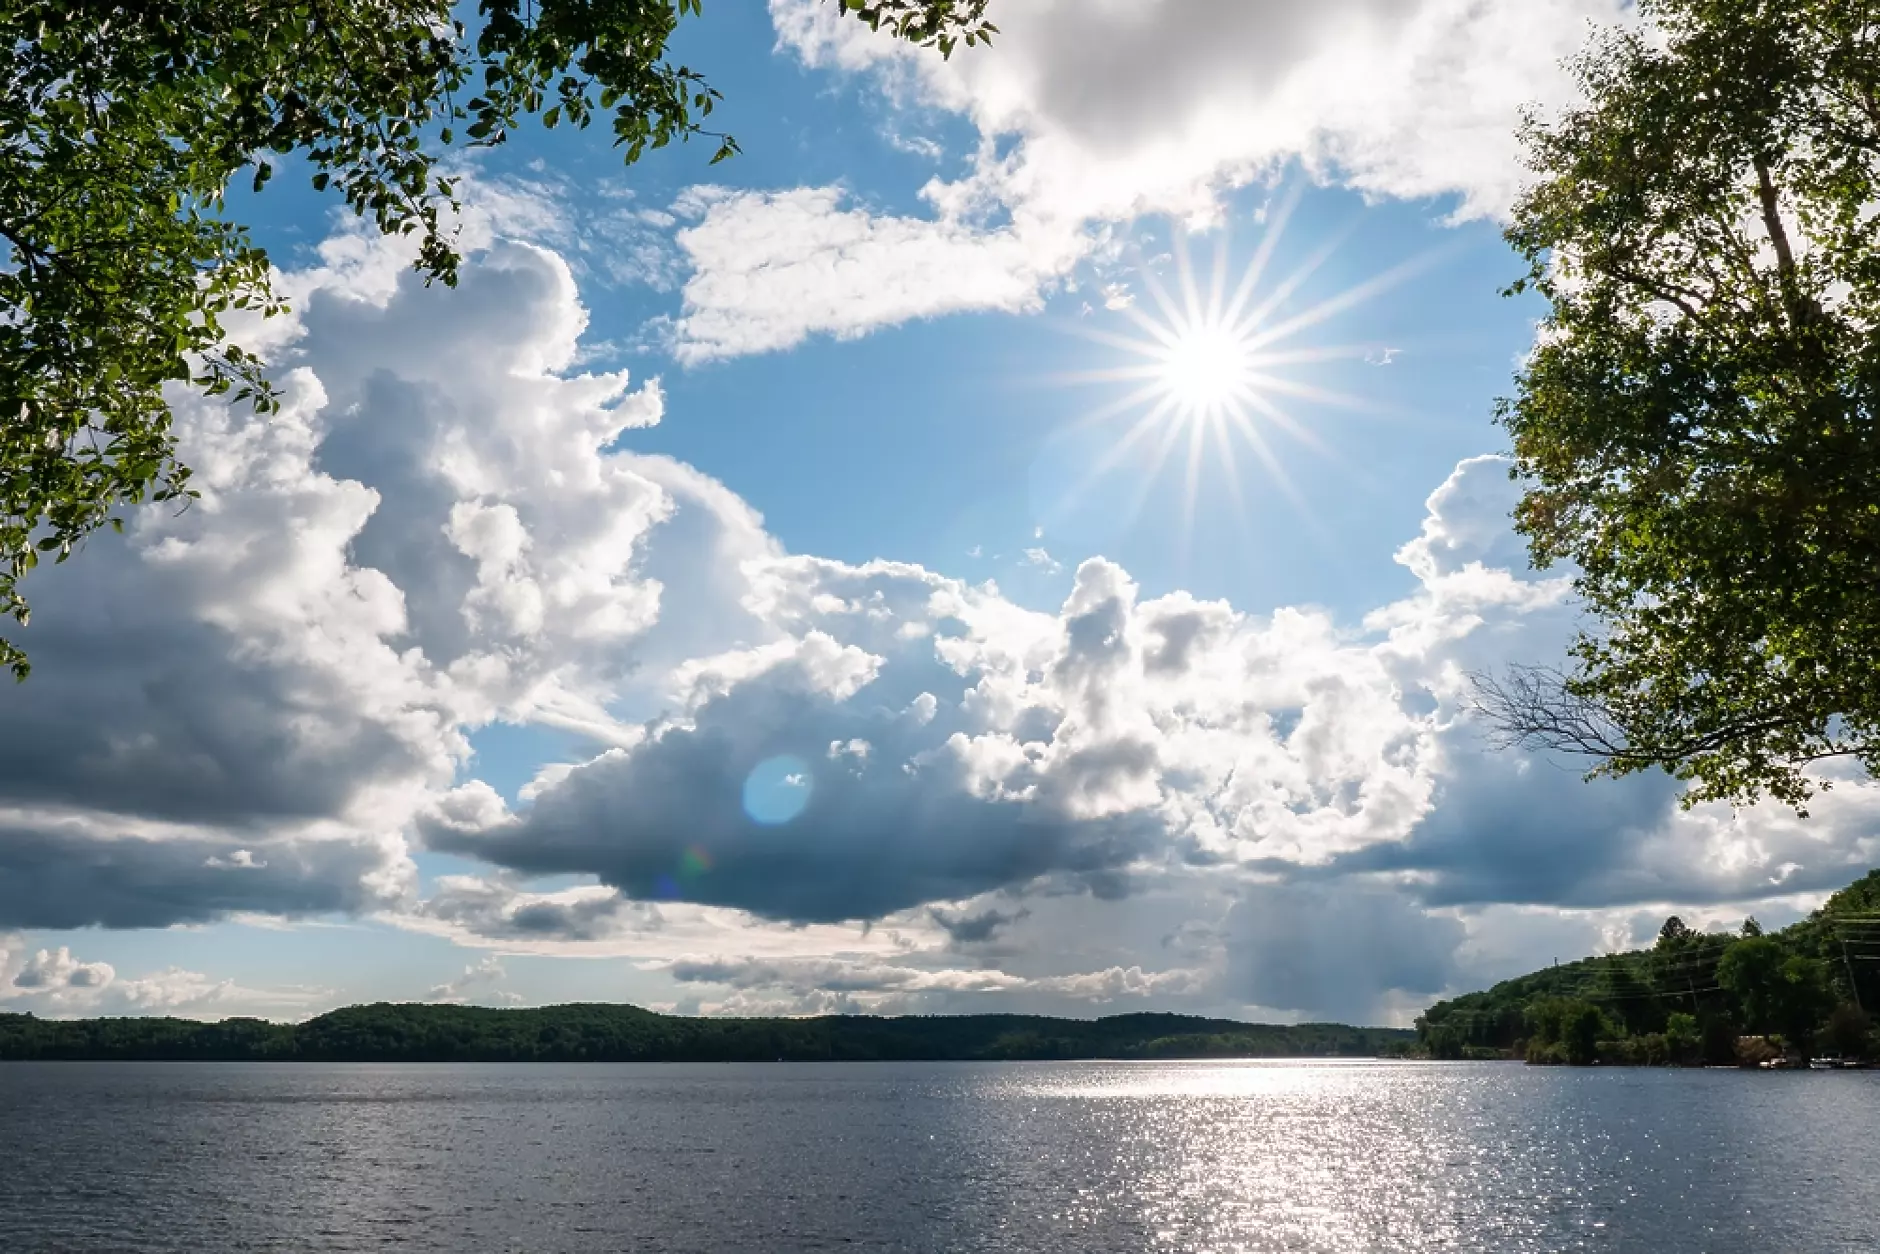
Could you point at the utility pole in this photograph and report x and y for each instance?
(1847, 961)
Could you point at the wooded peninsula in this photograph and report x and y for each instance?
(619, 1033)
(1694, 998)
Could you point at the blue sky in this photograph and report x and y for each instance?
(749, 592)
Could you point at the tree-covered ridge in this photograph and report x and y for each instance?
(1692, 998)
(615, 1033)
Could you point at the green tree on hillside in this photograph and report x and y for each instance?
(1683, 1038)
(123, 126)
(1697, 424)
(1848, 1032)
(1780, 993)
(1564, 1029)
(1674, 935)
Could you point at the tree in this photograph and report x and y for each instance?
(1628, 1000)
(1849, 1032)
(1566, 1030)
(1778, 992)
(1683, 1039)
(1696, 426)
(124, 125)
(1675, 934)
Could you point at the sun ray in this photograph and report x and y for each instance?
(1262, 257)
(1350, 297)
(1191, 486)
(1251, 323)
(1269, 383)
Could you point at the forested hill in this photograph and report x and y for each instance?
(1693, 998)
(614, 1033)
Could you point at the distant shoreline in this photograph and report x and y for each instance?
(423, 1033)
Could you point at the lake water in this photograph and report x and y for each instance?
(956, 1157)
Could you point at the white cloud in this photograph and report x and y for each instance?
(1043, 560)
(1092, 113)
(1121, 107)
(479, 984)
(54, 972)
(770, 270)
(1125, 747)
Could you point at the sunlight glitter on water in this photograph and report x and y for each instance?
(1095, 1158)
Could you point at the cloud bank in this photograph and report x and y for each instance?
(262, 707)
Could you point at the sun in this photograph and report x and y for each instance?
(1219, 364)
(1207, 369)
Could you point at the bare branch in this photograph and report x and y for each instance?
(1532, 707)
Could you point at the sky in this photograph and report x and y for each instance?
(1014, 539)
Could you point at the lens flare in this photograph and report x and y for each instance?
(778, 789)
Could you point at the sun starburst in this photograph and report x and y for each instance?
(1211, 366)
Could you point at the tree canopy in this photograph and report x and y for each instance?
(1696, 426)
(123, 126)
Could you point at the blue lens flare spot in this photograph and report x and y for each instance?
(777, 789)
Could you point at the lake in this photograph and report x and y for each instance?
(1032, 1157)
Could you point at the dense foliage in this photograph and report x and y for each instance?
(1697, 423)
(609, 1033)
(123, 126)
(1692, 998)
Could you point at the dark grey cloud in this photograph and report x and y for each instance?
(139, 707)
(1115, 75)
(1509, 828)
(1333, 951)
(498, 911)
(975, 927)
(880, 833)
(72, 873)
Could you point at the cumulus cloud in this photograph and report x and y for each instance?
(499, 911)
(771, 269)
(55, 982)
(1119, 109)
(237, 707)
(252, 707)
(951, 744)
(58, 970)
(480, 984)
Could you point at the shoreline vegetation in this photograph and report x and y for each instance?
(1803, 996)
(387, 1032)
